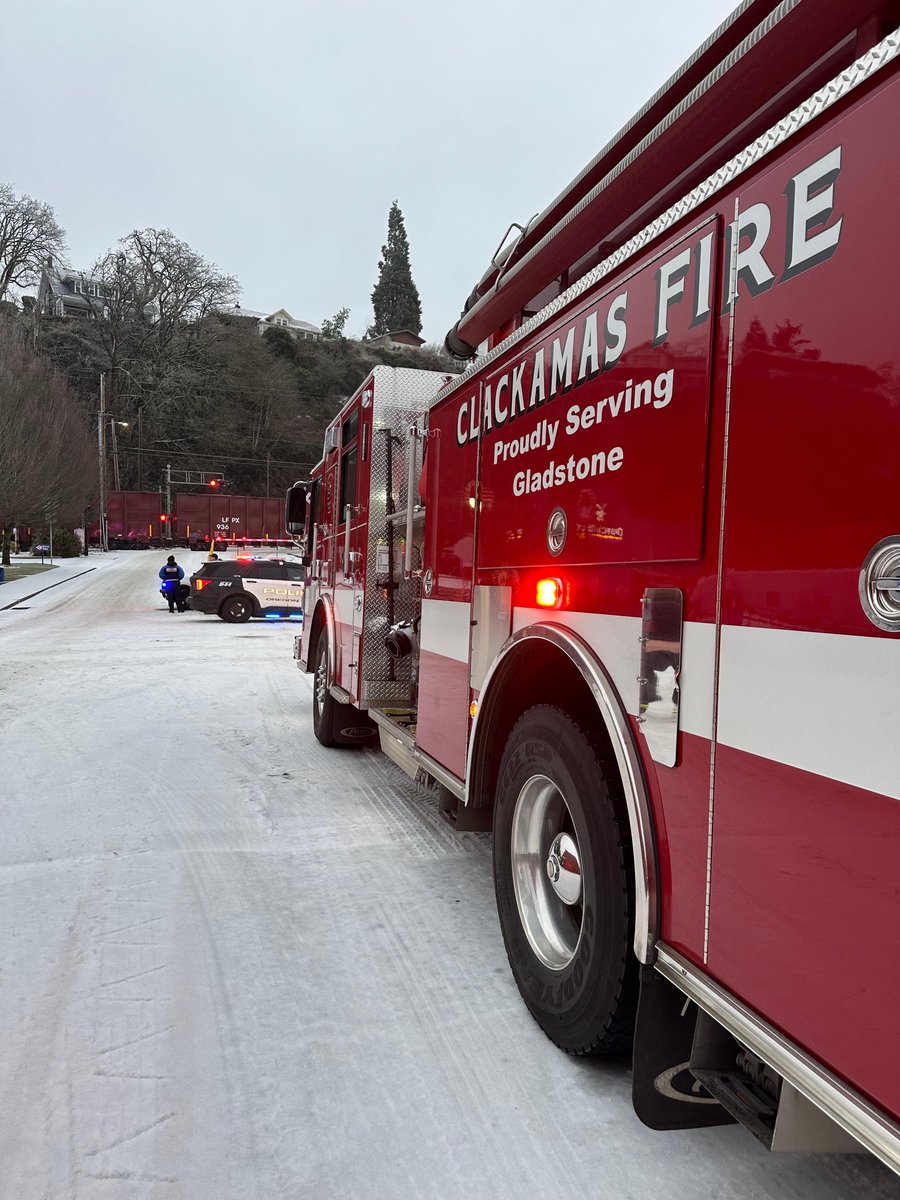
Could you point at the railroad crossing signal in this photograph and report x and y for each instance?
(209, 479)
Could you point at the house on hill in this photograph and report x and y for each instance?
(280, 319)
(63, 292)
(397, 339)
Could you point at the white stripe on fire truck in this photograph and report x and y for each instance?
(821, 702)
(826, 703)
(445, 628)
(343, 599)
(615, 641)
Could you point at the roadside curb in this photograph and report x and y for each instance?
(31, 595)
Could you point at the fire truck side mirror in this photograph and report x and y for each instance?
(295, 508)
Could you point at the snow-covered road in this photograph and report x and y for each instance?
(238, 966)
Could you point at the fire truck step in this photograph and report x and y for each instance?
(405, 717)
(665, 1093)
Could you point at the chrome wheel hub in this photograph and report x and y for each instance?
(564, 869)
(321, 675)
(546, 872)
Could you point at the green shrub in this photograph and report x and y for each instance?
(65, 543)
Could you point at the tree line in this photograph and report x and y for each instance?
(188, 381)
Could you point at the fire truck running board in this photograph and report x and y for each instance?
(396, 728)
(396, 741)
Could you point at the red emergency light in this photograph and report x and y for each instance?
(549, 593)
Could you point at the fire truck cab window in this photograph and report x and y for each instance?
(351, 428)
(348, 480)
(314, 501)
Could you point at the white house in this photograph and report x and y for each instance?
(280, 319)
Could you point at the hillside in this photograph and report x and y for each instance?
(215, 397)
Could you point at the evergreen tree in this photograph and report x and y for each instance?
(395, 298)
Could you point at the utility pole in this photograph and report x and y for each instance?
(140, 486)
(101, 451)
(268, 464)
(168, 491)
(115, 446)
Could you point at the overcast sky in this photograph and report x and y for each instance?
(273, 136)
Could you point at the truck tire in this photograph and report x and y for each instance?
(563, 883)
(236, 609)
(336, 724)
(323, 702)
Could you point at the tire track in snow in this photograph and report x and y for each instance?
(124, 1079)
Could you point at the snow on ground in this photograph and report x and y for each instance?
(236, 965)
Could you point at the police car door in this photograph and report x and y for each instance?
(265, 583)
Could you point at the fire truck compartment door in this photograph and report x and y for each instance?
(599, 424)
(448, 564)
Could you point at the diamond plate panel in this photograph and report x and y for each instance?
(401, 398)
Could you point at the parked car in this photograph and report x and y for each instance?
(240, 588)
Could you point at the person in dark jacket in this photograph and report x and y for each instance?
(172, 587)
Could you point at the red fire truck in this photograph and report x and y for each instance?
(627, 591)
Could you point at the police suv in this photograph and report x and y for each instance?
(241, 588)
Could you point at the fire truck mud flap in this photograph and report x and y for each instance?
(664, 1092)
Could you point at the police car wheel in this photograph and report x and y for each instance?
(236, 608)
(563, 883)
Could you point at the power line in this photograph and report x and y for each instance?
(275, 462)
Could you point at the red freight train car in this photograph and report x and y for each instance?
(138, 519)
(234, 519)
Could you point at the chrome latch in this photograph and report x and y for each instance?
(879, 584)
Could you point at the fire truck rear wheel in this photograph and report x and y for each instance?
(562, 877)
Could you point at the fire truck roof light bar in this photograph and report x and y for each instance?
(845, 1106)
(835, 90)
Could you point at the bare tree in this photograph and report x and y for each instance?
(29, 235)
(178, 285)
(154, 290)
(46, 455)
